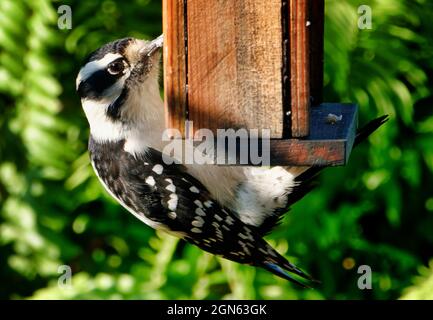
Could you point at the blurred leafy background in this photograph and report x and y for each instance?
(377, 211)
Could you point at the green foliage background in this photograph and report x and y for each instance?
(376, 211)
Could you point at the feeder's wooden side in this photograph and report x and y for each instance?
(306, 34)
(245, 63)
(234, 63)
(175, 90)
(224, 63)
(299, 67)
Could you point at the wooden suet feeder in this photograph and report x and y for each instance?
(255, 64)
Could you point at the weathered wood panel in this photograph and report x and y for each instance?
(234, 64)
(299, 67)
(224, 67)
(175, 90)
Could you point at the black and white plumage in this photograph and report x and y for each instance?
(223, 210)
(167, 198)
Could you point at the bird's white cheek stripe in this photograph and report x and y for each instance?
(101, 128)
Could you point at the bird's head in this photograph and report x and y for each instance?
(118, 85)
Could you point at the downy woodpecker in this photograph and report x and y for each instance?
(221, 209)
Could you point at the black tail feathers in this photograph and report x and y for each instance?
(369, 128)
(280, 272)
(283, 271)
(278, 265)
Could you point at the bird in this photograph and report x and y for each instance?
(224, 210)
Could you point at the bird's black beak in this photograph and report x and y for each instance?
(153, 46)
(145, 58)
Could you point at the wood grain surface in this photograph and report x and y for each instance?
(299, 67)
(224, 63)
(175, 77)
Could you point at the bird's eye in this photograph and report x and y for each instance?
(116, 67)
